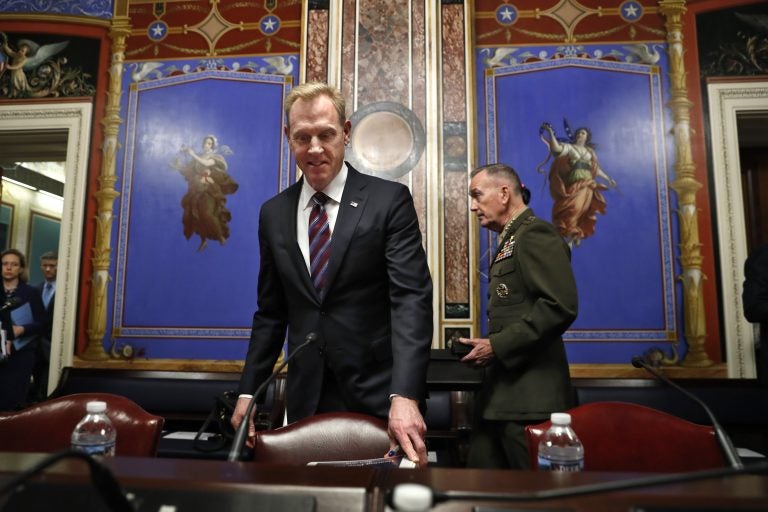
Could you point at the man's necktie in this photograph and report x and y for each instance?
(47, 293)
(319, 241)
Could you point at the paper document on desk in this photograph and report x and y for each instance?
(381, 462)
(746, 452)
(188, 436)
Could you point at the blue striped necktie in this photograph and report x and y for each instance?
(319, 241)
(47, 293)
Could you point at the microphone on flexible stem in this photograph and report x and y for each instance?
(725, 441)
(102, 478)
(412, 497)
(237, 444)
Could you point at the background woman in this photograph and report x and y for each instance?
(21, 314)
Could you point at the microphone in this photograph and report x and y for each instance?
(412, 497)
(723, 439)
(103, 480)
(237, 444)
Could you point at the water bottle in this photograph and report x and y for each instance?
(559, 447)
(95, 434)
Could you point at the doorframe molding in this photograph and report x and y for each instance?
(75, 118)
(726, 101)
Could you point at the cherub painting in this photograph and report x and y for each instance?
(204, 205)
(27, 57)
(576, 182)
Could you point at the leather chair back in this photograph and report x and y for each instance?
(46, 427)
(323, 437)
(622, 436)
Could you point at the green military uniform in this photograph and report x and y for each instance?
(532, 301)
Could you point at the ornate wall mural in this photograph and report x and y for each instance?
(611, 162)
(203, 149)
(183, 71)
(45, 66)
(583, 62)
(207, 29)
(736, 42)
(95, 8)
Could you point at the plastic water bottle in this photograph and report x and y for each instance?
(559, 447)
(95, 434)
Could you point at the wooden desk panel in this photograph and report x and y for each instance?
(733, 493)
(364, 489)
(335, 489)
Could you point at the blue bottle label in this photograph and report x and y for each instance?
(555, 465)
(96, 449)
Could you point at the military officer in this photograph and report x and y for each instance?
(532, 301)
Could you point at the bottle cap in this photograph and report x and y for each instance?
(96, 407)
(412, 497)
(560, 418)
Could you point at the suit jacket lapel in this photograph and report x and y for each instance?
(353, 202)
(290, 207)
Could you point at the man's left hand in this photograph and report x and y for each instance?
(406, 429)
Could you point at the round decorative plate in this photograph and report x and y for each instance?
(387, 140)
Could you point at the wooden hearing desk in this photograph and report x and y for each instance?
(364, 489)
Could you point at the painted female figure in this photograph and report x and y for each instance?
(574, 185)
(204, 204)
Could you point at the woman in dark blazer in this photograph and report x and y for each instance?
(21, 314)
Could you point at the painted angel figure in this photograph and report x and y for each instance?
(204, 205)
(576, 182)
(27, 57)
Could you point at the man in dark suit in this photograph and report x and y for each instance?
(349, 266)
(49, 265)
(755, 299)
(532, 301)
